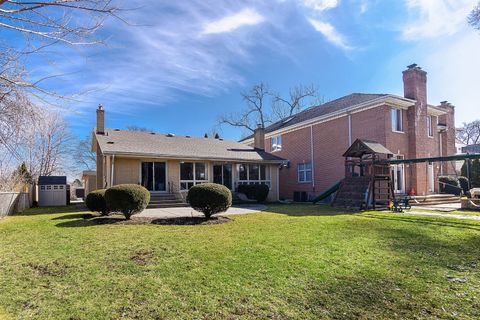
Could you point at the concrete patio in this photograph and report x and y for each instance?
(165, 213)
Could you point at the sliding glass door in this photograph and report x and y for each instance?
(222, 174)
(154, 176)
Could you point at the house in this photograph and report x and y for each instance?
(170, 164)
(314, 140)
(89, 178)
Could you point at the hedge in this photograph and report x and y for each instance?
(95, 202)
(463, 184)
(450, 185)
(257, 192)
(209, 198)
(128, 199)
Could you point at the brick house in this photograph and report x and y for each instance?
(168, 165)
(314, 140)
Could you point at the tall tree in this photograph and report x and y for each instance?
(85, 158)
(474, 17)
(296, 101)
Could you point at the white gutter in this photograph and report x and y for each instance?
(175, 157)
(349, 129)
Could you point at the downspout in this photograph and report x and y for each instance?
(113, 170)
(312, 158)
(441, 152)
(349, 130)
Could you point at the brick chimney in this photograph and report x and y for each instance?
(100, 120)
(415, 88)
(259, 138)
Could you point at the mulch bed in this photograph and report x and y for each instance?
(120, 220)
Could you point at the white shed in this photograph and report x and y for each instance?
(52, 191)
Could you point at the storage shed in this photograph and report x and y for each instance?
(52, 191)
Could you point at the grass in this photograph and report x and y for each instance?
(461, 212)
(296, 262)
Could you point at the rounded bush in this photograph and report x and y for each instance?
(128, 199)
(450, 185)
(257, 192)
(95, 202)
(463, 184)
(209, 198)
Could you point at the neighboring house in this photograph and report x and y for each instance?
(169, 164)
(89, 178)
(314, 140)
(471, 149)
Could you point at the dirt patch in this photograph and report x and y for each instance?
(142, 258)
(120, 220)
(48, 270)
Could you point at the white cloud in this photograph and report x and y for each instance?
(246, 17)
(435, 18)
(330, 33)
(320, 5)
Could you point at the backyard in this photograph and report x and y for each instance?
(293, 262)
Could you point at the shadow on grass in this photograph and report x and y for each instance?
(427, 220)
(307, 209)
(81, 221)
(76, 216)
(50, 210)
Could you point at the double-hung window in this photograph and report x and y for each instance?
(397, 120)
(276, 143)
(304, 172)
(430, 126)
(192, 173)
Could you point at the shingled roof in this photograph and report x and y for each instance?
(116, 141)
(327, 108)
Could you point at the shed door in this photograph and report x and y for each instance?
(52, 195)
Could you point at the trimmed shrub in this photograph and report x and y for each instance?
(463, 184)
(95, 202)
(450, 185)
(128, 199)
(257, 192)
(209, 198)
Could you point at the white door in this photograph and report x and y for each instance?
(398, 176)
(431, 178)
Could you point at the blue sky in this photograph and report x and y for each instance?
(183, 63)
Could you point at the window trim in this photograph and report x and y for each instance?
(275, 147)
(304, 172)
(397, 111)
(267, 181)
(430, 126)
(195, 181)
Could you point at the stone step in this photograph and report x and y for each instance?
(167, 205)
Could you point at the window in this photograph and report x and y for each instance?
(397, 120)
(276, 143)
(304, 172)
(430, 126)
(253, 174)
(192, 173)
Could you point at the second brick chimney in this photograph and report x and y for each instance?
(259, 138)
(100, 127)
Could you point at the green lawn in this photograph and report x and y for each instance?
(297, 262)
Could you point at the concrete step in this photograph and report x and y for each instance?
(167, 205)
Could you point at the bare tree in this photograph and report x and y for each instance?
(264, 107)
(84, 156)
(255, 113)
(469, 133)
(46, 23)
(137, 128)
(283, 108)
(474, 17)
